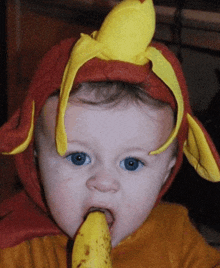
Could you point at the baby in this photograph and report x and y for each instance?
(103, 128)
(107, 165)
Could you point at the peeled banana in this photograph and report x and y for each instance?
(92, 246)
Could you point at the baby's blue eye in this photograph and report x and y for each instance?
(131, 164)
(79, 159)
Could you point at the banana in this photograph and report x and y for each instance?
(92, 246)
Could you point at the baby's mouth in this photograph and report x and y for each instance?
(108, 215)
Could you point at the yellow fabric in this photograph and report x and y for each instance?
(125, 35)
(166, 240)
(163, 69)
(23, 146)
(198, 153)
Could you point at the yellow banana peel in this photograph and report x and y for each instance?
(92, 246)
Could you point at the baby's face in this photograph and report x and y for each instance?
(107, 165)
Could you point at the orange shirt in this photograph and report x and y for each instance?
(167, 239)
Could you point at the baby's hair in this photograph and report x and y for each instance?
(114, 92)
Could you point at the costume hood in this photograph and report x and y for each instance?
(122, 50)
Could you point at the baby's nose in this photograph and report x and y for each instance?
(103, 182)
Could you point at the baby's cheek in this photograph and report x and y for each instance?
(58, 197)
(64, 207)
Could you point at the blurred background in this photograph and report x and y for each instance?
(191, 28)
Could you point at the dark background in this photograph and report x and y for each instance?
(3, 59)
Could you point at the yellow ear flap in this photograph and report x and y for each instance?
(198, 152)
